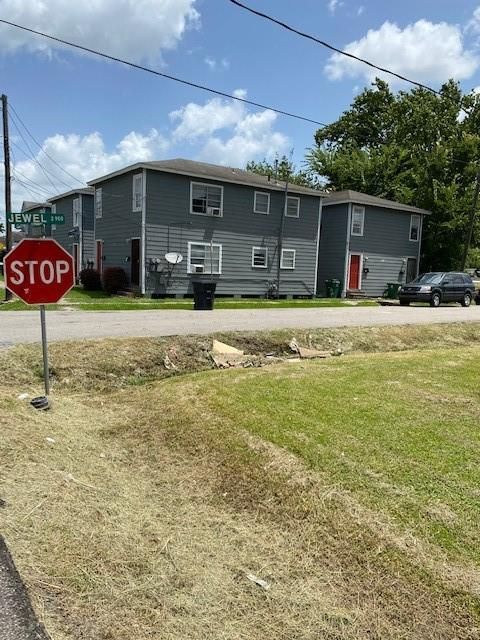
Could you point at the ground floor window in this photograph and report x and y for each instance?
(259, 257)
(288, 259)
(204, 257)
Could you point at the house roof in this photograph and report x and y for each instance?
(204, 170)
(85, 191)
(29, 206)
(341, 197)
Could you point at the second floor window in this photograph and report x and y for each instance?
(137, 198)
(414, 227)
(53, 227)
(293, 207)
(262, 202)
(206, 199)
(76, 212)
(358, 219)
(98, 202)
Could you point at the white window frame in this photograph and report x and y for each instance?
(298, 207)
(98, 203)
(265, 251)
(205, 244)
(261, 193)
(284, 251)
(137, 179)
(76, 212)
(206, 184)
(53, 227)
(419, 217)
(361, 210)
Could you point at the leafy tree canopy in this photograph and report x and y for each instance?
(412, 146)
(282, 169)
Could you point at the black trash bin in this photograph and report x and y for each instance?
(204, 295)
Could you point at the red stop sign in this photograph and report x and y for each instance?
(39, 271)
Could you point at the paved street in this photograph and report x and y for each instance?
(24, 326)
(17, 619)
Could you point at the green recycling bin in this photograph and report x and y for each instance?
(392, 290)
(332, 288)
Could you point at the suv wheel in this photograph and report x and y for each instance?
(467, 299)
(435, 299)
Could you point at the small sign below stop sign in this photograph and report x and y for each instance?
(39, 271)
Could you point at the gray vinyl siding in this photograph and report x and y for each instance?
(64, 206)
(384, 245)
(118, 224)
(86, 237)
(88, 230)
(333, 238)
(170, 227)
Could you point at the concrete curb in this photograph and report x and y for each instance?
(17, 618)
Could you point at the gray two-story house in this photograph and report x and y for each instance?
(366, 242)
(34, 230)
(172, 222)
(77, 235)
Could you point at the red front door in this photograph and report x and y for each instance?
(354, 275)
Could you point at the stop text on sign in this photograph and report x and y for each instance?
(38, 272)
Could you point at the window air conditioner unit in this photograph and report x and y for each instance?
(214, 211)
(198, 268)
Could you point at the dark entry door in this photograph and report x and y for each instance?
(76, 259)
(354, 275)
(411, 269)
(99, 256)
(135, 262)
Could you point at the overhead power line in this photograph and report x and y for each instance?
(308, 36)
(45, 172)
(42, 149)
(140, 67)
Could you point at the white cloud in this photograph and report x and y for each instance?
(253, 138)
(197, 120)
(128, 28)
(214, 64)
(220, 131)
(83, 157)
(474, 23)
(360, 10)
(333, 5)
(246, 136)
(423, 51)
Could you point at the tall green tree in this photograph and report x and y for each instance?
(283, 169)
(412, 146)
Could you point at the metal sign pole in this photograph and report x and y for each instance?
(46, 374)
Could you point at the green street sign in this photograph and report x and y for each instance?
(35, 218)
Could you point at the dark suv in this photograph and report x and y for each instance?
(438, 287)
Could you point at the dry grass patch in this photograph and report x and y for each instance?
(138, 511)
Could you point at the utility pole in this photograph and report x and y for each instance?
(471, 222)
(280, 233)
(8, 192)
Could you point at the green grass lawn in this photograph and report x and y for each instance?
(100, 301)
(351, 485)
(398, 431)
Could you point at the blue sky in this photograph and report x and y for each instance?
(93, 116)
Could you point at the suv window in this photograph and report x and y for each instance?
(457, 279)
(468, 280)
